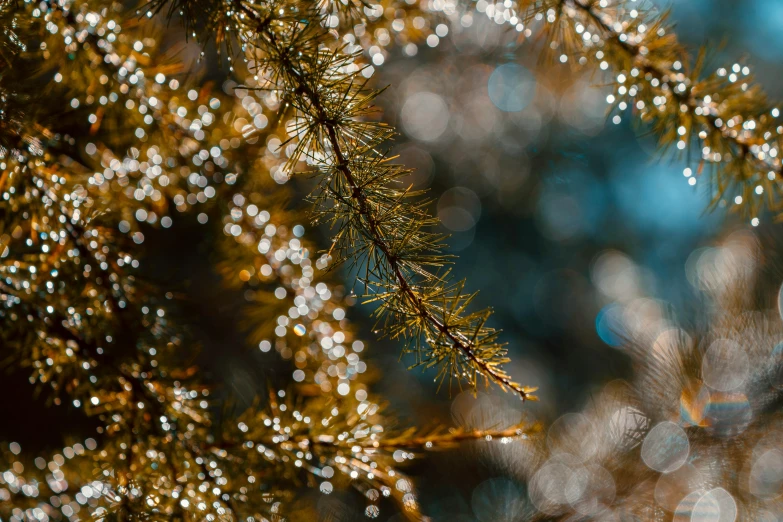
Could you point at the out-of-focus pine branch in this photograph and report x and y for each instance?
(729, 132)
(695, 429)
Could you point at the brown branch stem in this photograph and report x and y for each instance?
(458, 340)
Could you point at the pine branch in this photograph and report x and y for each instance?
(402, 255)
(386, 231)
(438, 440)
(723, 117)
(348, 439)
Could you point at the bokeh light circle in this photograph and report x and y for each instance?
(575, 435)
(707, 509)
(425, 116)
(780, 301)
(725, 366)
(717, 505)
(728, 413)
(419, 161)
(777, 366)
(666, 447)
(511, 87)
(590, 490)
(548, 487)
(685, 508)
(670, 343)
(610, 325)
(766, 516)
(459, 209)
(766, 475)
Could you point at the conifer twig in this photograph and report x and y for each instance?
(724, 117)
(385, 232)
(460, 341)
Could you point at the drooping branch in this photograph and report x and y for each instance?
(413, 299)
(723, 117)
(385, 232)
